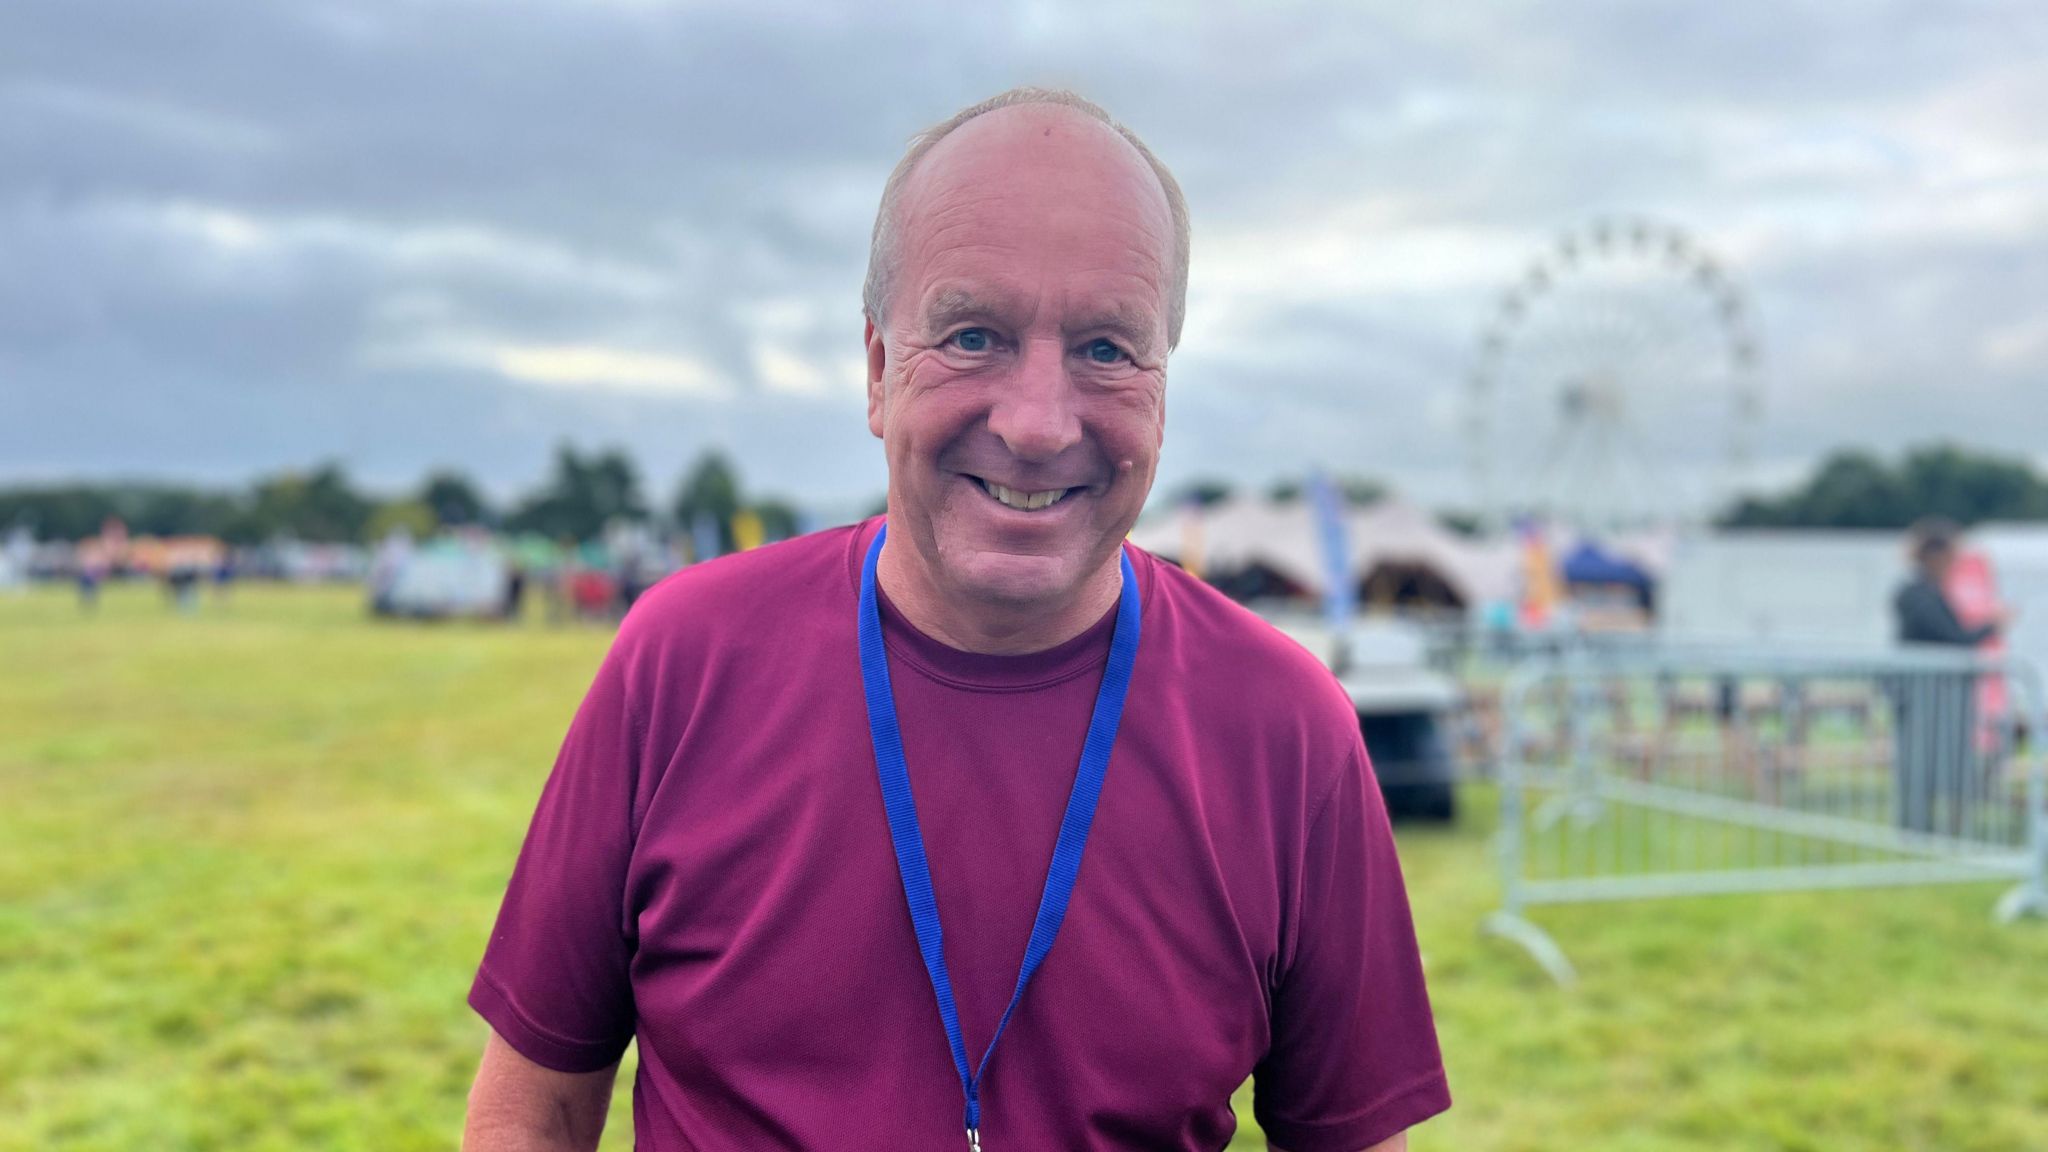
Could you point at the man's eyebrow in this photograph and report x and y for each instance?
(1134, 322)
(948, 306)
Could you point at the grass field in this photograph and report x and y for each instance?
(248, 859)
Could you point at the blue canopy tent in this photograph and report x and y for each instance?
(1587, 565)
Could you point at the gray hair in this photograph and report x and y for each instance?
(882, 254)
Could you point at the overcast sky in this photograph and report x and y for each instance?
(242, 236)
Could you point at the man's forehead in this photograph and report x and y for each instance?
(1041, 131)
(1001, 155)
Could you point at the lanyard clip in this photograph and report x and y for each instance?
(974, 1140)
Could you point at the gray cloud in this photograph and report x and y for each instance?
(237, 236)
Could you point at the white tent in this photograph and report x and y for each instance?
(447, 576)
(1817, 586)
(15, 556)
(1241, 532)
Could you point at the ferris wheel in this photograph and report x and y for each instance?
(1615, 384)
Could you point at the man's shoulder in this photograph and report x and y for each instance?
(1275, 728)
(1222, 647)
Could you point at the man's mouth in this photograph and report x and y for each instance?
(1020, 500)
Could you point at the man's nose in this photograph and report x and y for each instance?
(1035, 416)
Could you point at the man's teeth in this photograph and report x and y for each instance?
(1026, 501)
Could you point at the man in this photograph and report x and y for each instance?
(1935, 741)
(1144, 819)
(1923, 611)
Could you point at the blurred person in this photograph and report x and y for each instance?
(224, 577)
(1086, 759)
(181, 586)
(90, 574)
(1923, 612)
(512, 606)
(1935, 738)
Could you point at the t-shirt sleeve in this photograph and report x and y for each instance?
(554, 981)
(1354, 1056)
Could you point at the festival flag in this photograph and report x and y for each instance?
(1340, 595)
(1541, 592)
(747, 532)
(1191, 537)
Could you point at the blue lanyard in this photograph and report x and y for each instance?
(902, 812)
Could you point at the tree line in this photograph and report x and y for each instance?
(582, 493)
(1850, 488)
(1857, 489)
(587, 490)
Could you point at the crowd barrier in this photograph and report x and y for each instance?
(1676, 770)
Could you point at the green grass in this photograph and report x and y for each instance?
(248, 860)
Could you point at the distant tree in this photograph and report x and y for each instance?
(1970, 488)
(1204, 492)
(778, 518)
(615, 486)
(173, 511)
(67, 512)
(711, 488)
(413, 517)
(454, 499)
(318, 506)
(1361, 491)
(583, 495)
(1460, 522)
(1358, 491)
(1855, 489)
(74, 511)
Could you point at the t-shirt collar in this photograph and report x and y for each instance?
(983, 670)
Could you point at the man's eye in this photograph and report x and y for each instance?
(1105, 352)
(971, 339)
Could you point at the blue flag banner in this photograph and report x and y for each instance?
(1340, 595)
(705, 539)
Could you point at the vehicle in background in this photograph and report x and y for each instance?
(1407, 710)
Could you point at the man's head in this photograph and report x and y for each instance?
(1934, 547)
(1027, 280)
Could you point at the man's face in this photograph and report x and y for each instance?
(1937, 562)
(1019, 385)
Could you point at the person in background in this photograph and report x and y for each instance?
(1923, 611)
(224, 577)
(1935, 740)
(89, 576)
(514, 604)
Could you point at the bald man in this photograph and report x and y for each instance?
(970, 824)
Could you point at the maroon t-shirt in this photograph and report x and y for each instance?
(710, 871)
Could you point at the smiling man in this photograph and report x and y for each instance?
(971, 825)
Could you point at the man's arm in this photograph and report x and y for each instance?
(519, 1106)
(1398, 1143)
(1925, 617)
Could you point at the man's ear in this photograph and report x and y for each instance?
(878, 359)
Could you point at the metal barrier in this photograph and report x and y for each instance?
(1688, 771)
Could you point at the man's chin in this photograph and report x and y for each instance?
(1016, 581)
